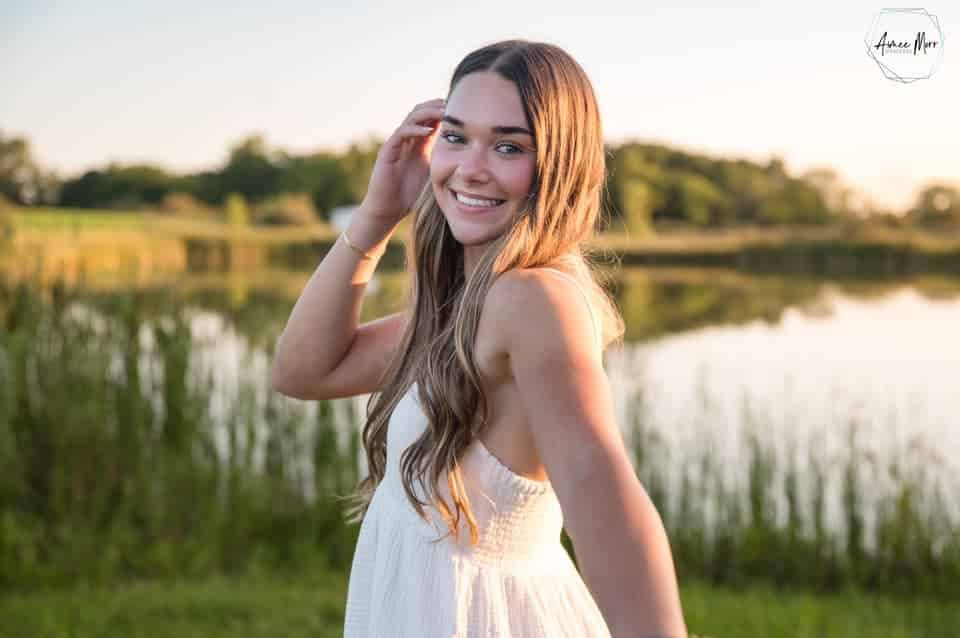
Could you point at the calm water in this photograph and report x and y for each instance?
(889, 361)
(706, 352)
(709, 353)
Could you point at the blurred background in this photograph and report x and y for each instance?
(781, 232)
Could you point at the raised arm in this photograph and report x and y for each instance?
(322, 354)
(619, 537)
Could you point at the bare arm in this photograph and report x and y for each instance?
(323, 323)
(618, 535)
(321, 353)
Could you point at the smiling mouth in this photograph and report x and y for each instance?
(475, 202)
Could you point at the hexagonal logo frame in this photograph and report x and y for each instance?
(907, 44)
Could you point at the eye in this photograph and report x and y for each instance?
(513, 148)
(447, 135)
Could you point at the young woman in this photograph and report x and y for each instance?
(491, 412)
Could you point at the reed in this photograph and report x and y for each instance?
(124, 461)
(767, 520)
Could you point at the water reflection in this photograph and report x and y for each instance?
(706, 352)
(737, 395)
(885, 365)
(891, 360)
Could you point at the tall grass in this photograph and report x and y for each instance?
(767, 521)
(116, 468)
(111, 467)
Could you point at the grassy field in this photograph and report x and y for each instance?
(838, 248)
(68, 219)
(720, 240)
(300, 607)
(42, 223)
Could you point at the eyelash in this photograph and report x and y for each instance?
(517, 149)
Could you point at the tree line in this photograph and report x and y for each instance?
(648, 185)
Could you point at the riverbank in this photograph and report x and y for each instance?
(96, 240)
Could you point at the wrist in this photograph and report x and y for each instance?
(367, 235)
(378, 216)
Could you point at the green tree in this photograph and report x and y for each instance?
(793, 201)
(358, 162)
(836, 195)
(322, 175)
(937, 206)
(636, 185)
(118, 186)
(236, 209)
(702, 202)
(21, 180)
(206, 186)
(6, 220)
(636, 205)
(250, 170)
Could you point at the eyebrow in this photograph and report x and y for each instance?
(501, 130)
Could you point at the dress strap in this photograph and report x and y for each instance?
(593, 318)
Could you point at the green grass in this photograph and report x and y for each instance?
(272, 606)
(77, 219)
(836, 248)
(761, 611)
(240, 608)
(45, 223)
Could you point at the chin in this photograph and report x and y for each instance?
(474, 238)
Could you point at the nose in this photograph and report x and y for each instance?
(473, 165)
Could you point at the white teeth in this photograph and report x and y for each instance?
(469, 201)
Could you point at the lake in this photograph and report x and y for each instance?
(709, 354)
(713, 359)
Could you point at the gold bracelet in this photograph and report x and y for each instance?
(363, 254)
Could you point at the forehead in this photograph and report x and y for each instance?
(485, 99)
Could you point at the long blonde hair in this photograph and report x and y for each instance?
(437, 348)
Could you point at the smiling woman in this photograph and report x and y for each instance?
(483, 162)
(491, 413)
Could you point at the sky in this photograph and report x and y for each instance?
(176, 84)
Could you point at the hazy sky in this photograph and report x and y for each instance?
(178, 83)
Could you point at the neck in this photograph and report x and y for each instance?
(471, 255)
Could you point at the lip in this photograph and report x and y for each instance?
(474, 195)
(474, 210)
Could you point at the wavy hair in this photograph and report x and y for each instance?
(437, 348)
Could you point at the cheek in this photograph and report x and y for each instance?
(522, 178)
(439, 167)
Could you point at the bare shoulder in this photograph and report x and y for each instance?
(541, 313)
(559, 377)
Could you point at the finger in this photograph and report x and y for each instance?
(428, 145)
(403, 139)
(433, 107)
(406, 131)
(428, 103)
(414, 130)
(429, 113)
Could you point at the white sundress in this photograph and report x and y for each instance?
(518, 582)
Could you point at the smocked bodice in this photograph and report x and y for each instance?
(517, 517)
